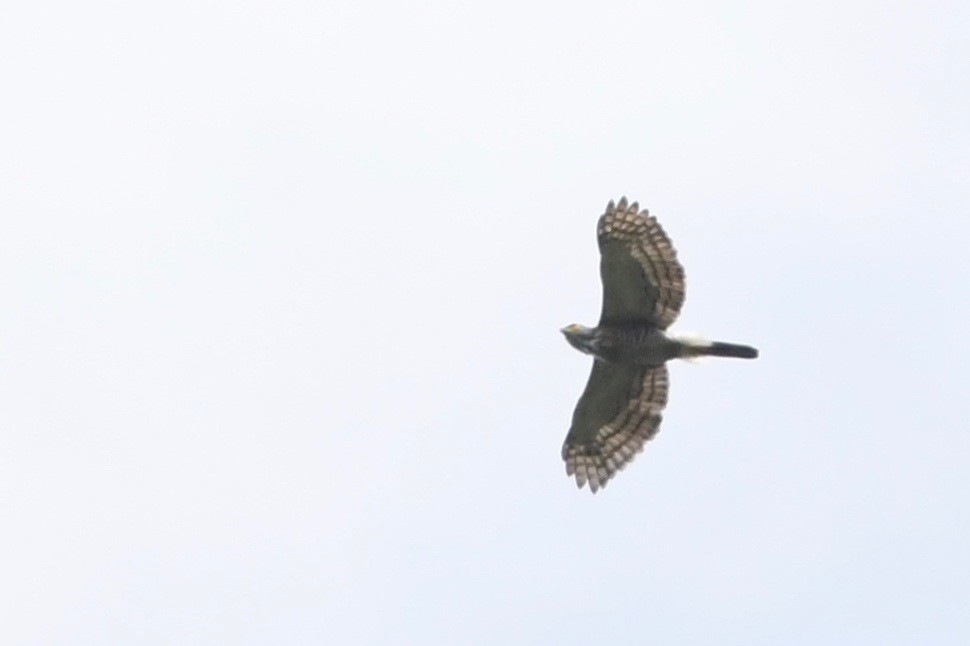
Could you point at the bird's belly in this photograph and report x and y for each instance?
(640, 346)
(655, 348)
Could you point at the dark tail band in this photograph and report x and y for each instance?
(718, 349)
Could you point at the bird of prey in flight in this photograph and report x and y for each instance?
(643, 291)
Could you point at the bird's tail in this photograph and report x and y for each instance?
(696, 347)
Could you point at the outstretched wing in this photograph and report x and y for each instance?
(619, 411)
(642, 280)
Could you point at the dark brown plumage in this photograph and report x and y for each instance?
(643, 292)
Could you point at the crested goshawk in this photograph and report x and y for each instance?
(643, 291)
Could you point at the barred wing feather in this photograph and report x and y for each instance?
(642, 279)
(620, 410)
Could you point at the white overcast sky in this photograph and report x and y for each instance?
(281, 286)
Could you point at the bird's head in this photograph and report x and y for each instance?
(581, 337)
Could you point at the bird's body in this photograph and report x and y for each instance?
(643, 291)
(625, 343)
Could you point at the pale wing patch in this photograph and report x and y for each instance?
(616, 443)
(645, 240)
